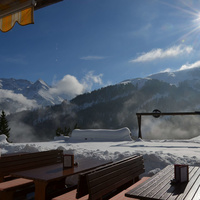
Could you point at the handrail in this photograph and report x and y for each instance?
(139, 117)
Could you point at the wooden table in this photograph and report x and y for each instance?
(44, 175)
(159, 186)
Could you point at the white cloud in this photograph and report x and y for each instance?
(90, 79)
(167, 70)
(69, 86)
(16, 59)
(160, 53)
(26, 103)
(92, 58)
(190, 66)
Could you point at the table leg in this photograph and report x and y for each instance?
(1, 179)
(7, 195)
(40, 190)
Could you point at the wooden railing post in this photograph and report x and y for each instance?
(157, 114)
(139, 118)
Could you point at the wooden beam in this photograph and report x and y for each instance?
(139, 117)
(172, 113)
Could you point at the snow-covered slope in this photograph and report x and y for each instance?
(13, 84)
(190, 75)
(138, 82)
(17, 95)
(178, 76)
(39, 91)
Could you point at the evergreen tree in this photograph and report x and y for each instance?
(76, 126)
(4, 128)
(59, 132)
(67, 131)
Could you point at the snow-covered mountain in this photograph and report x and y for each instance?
(40, 92)
(18, 94)
(191, 76)
(13, 84)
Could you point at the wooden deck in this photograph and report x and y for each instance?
(159, 186)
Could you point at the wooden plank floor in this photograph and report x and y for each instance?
(121, 195)
(159, 186)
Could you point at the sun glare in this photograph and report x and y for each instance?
(197, 20)
(195, 28)
(191, 30)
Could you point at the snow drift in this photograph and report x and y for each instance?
(157, 153)
(3, 139)
(123, 134)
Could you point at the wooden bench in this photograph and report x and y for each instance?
(8, 188)
(108, 180)
(20, 162)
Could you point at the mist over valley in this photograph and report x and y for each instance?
(35, 112)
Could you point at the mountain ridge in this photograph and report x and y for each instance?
(38, 94)
(115, 106)
(26, 94)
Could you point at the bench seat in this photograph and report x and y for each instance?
(8, 188)
(120, 196)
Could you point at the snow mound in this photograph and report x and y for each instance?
(3, 139)
(106, 135)
(62, 137)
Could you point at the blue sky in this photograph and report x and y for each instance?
(93, 43)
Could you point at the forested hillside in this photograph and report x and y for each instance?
(113, 107)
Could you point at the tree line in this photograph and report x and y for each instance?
(4, 127)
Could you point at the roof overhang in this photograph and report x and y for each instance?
(10, 7)
(21, 11)
(44, 3)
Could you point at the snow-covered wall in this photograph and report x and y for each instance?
(123, 134)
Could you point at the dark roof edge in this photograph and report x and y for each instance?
(44, 3)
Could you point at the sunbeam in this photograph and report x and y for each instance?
(189, 29)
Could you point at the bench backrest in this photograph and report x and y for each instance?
(82, 188)
(19, 162)
(113, 176)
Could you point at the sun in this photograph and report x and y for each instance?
(190, 13)
(195, 25)
(197, 19)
